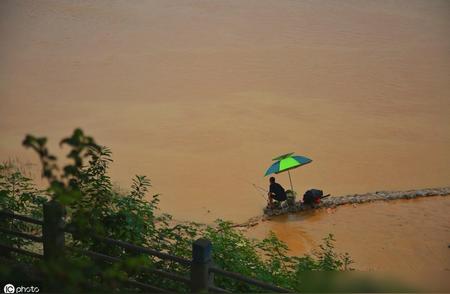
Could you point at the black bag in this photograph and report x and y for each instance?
(311, 195)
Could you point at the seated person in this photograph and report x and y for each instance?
(276, 191)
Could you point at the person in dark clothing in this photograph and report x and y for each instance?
(276, 191)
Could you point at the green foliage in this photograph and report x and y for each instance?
(65, 185)
(93, 206)
(268, 259)
(18, 194)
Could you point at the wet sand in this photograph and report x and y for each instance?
(408, 239)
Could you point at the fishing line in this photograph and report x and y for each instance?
(258, 188)
(260, 193)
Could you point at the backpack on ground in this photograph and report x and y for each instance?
(312, 196)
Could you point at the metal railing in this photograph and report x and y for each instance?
(201, 268)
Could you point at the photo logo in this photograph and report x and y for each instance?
(26, 288)
(9, 288)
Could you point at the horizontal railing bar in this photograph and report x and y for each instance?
(218, 290)
(21, 251)
(168, 275)
(171, 276)
(23, 235)
(136, 248)
(140, 249)
(97, 255)
(248, 280)
(128, 281)
(21, 217)
(146, 286)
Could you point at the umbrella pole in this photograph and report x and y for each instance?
(290, 180)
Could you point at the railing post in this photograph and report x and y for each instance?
(5, 222)
(52, 233)
(201, 261)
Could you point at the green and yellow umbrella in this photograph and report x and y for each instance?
(286, 162)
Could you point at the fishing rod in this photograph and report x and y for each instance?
(260, 193)
(258, 188)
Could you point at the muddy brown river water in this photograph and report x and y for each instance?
(200, 95)
(407, 239)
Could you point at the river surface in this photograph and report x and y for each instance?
(201, 95)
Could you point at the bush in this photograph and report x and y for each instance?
(93, 205)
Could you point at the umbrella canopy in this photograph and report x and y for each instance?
(287, 162)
